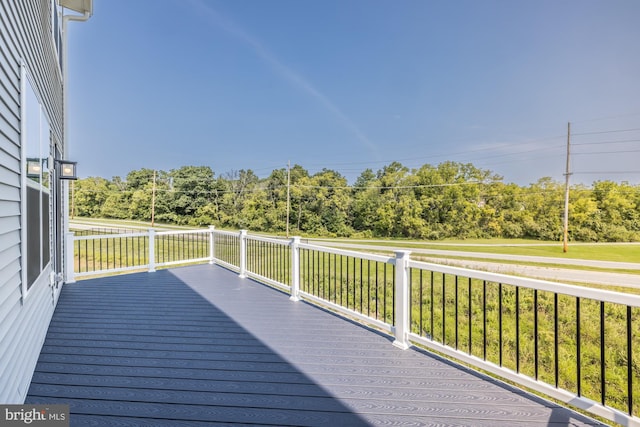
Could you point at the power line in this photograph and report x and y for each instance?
(453, 154)
(444, 185)
(393, 187)
(607, 152)
(524, 159)
(622, 141)
(620, 116)
(518, 153)
(606, 172)
(605, 131)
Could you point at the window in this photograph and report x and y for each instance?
(36, 136)
(56, 22)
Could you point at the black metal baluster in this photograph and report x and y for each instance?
(320, 273)
(314, 256)
(556, 339)
(535, 332)
(410, 290)
(368, 287)
(77, 244)
(484, 319)
(578, 355)
(281, 278)
(602, 361)
(309, 288)
(629, 362)
(329, 273)
(432, 308)
(421, 303)
(444, 299)
(517, 328)
(361, 309)
(347, 284)
(377, 293)
(393, 295)
(500, 331)
(316, 274)
(341, 293)
(469, 315)
(456, 309)
(384, 293)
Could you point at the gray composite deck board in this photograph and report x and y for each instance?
(200, 346)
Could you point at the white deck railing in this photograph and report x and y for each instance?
(499, 323)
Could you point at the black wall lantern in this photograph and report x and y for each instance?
(66, 169)
(35, 167)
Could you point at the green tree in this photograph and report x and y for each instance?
(619, 213)
(325, 200)
(544, 210)
(365, 202)
(235, 186)
(188, 189)
(89, 195)
(447, 200)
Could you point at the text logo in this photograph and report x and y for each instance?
(34, 415)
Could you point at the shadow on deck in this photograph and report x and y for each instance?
(200, 346)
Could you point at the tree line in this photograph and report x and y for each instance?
(431, 202)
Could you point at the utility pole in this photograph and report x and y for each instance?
(565, 242)
(153, 200)
(288, 193)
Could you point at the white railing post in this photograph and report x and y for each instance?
(402, 300)
(68, 258)
(212, 243)
(152, 250)
(295, 269)
(243, 254)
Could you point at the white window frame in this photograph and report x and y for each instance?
(25, 79)
(56, 39)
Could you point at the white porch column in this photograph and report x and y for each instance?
(69, 273)
(212, 242)
(152, 250)
(243, 254)
(402, 308)
(295, 269)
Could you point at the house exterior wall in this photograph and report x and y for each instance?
(27, 48)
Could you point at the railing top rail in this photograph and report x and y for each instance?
(110, 236)
(363, 255)
(227, 233)
(282, 242)
(542, 285)
(174, 232)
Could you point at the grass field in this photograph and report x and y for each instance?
(78, 223)
(618, 252)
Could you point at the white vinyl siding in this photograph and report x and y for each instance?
(25, 38)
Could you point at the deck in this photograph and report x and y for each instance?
(200, 346)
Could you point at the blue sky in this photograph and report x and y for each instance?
(356, 84)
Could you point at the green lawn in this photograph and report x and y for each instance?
(101, 223)
(620, 252)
